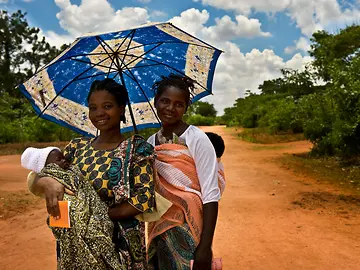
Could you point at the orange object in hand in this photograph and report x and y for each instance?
(64, 220)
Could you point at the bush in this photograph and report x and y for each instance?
(33, 129)
(199, 120)
(281, 116)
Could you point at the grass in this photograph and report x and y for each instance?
(15, 203)
(269, 147)
(326, 169)
(263, 136)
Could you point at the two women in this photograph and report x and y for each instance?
(121, 171)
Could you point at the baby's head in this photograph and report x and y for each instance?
(218, 143)
(36, 159)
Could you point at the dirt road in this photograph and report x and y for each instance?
(269, 217)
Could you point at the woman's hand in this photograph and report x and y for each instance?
(122, 211)
(53, 192)
(202, 258)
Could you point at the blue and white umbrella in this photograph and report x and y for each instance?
(135, 58)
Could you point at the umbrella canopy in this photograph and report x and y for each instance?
(136, 58)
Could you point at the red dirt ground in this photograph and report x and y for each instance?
(269, 218)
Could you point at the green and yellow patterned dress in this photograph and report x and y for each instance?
(122, 174)
(88, 243)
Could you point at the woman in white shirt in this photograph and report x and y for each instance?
(188, 177)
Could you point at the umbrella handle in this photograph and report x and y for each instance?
(132, 116)
(129, 104)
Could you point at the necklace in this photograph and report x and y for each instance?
(173, 140)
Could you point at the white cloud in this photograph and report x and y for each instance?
(309, 15)
(191, 20)
(27, 1)
(302, 44)
(97, 16)
(246, 6)
(226, 29)
(158, 13)
(55, 39)
(236, 72)
(3, 1)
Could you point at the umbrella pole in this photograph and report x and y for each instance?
(129, 105)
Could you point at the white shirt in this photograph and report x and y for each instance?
(203, 153)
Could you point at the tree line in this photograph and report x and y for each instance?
(322, 101)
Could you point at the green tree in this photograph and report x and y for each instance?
(328, 49)
(204, 109)
(22, 53)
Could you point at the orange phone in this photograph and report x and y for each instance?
(64, 220)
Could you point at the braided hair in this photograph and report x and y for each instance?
(184, 83)
(117, 90)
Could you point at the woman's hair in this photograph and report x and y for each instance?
(217, 142)
(111, 86)
(184, 83)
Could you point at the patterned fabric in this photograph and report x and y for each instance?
(174, 249)
(88, 243)
(122, 174)
(178, 182)
(109, 171)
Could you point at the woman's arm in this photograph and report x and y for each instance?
(203, 253)
(123, 211)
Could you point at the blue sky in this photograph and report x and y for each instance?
(259, 38)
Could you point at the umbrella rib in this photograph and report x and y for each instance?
(142, 90)
(124, 39)
(132, 36)
(112, 62)
(78, 55)
(95, 65)
(194, 37)
(101, 43)
(67, 85)
(140, 56)
(161, 63)
(93, 76)
(135, 67)
(172, 42)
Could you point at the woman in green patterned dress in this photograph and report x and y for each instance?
(120, 170)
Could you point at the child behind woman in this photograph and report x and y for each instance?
(219, 147)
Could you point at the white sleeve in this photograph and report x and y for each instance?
(204, 156)
(151, 140)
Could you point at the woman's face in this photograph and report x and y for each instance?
(104, 111)
(171, 105)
